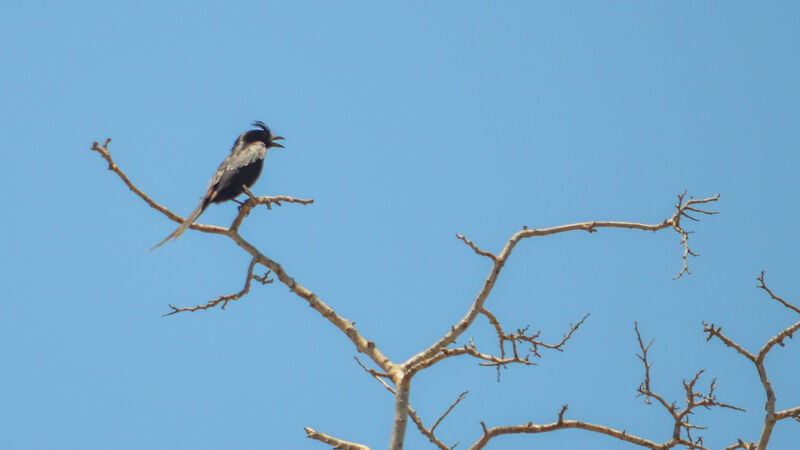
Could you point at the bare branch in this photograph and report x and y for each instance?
(522, 336)
(772, 417)
(226, 298)
(112, 166)
(717, 332)
(470, 349)
(401, 408)
(741, 444)
(411, 412)
(794, 413)
(499, 261)
(336, 443)
(372, 372)
(763, 285)
(253, 201)
(777, 339)
(644, 388)
(428, 433)
(562, 412)
(682, 207)
(561, 424)
(681, 422)
(453, 405)
(477, 250)
(693, 400)
(513, 338)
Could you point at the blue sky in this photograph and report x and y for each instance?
(406, 124)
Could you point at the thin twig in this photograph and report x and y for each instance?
(453, 405)
(226, 298)
(476, 249)
(522, 336)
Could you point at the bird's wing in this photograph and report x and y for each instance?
(239, 157)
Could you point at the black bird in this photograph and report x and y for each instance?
(241, 168)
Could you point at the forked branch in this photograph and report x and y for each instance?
(683, 207)
(772, 416)
(223, 300)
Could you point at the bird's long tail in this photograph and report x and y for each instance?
(186, 223)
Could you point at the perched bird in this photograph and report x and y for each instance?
(239, 169)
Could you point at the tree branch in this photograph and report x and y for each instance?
(771, 417)
(226, 298)
(763, 285)
(717, 332)
(681, 423)
(476, 249)
(453, 405)
(401, 406)
(112, 166)
(561, 424)
(521, 336)
(411, 412)
(336, 443)
(499, 261)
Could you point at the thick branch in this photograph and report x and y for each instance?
(401, 408)
(794, 413)
(379, 376)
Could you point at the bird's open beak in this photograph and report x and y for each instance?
(275, 144)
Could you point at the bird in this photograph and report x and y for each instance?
(238, 170)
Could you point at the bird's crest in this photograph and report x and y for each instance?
(261, 125)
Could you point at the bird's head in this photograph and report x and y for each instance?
(263, 134)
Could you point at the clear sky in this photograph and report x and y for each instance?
(406, 124)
